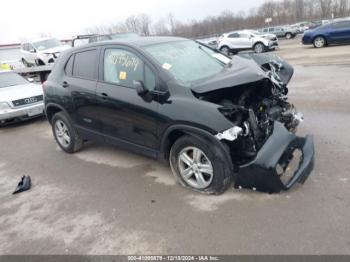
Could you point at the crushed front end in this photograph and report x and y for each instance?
(264, 149)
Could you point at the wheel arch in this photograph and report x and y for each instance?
(176, 131)
(51, 109)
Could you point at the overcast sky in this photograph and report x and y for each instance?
(21, 20)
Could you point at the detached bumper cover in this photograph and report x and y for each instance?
(261, 173)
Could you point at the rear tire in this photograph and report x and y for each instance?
(200, 166)
(288, 35)
(65, 134)
(225, 50)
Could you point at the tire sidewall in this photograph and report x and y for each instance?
(225, 48)
(220, 181)
(75, 140)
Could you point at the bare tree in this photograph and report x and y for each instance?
(144, 23)
(132, 24)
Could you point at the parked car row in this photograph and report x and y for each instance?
(280, 31)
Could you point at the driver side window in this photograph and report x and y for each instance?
(122, 67)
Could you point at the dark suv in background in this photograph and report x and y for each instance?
(215, 119)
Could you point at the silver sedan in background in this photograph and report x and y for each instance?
(19, 98)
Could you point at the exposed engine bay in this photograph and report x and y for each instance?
(254, 107)
(261, 142)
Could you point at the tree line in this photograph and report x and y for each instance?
(282, 12)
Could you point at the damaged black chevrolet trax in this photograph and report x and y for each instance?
(218, 121)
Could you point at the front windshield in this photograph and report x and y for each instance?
(11, 79)
(46, 44)
(188, 61)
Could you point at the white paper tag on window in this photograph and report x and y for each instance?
(166, 66)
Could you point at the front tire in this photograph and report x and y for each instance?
(259, 48)
(65, 135)
(199, 166)
(319, 42)
(288, 36)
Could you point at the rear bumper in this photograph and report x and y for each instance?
(22, 112)
(262, 173)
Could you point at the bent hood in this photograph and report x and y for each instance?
(246, 68)
(56, 49)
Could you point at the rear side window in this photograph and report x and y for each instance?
(85, 64)
(69, 66)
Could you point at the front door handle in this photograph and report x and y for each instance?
(103, 95)
(65, 84)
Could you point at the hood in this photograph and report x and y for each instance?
(246, 68)
(242, 71)
(56, 49)
(12, 93)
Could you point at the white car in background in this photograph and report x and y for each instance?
(42, 51)
(234, 42)
(19, 99)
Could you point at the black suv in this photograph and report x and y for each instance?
(217, 120)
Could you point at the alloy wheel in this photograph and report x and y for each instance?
(62, 133)
(195, 167)
(225, 50)
(259, 48)
(319, 42)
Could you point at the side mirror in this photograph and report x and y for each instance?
(31, 80)
(140, 88)
(32, 51)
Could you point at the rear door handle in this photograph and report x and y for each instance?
(65, 84)
(103, 95)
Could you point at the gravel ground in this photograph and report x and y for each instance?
(106, 201)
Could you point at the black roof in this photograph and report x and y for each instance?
(139, 41)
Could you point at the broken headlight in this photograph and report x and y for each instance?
(230, 134)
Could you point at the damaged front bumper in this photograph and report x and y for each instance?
(268, 170)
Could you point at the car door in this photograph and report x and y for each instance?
(126, 117)
(340, 32)
(246, 41)
(234, 41)
(79, 81)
